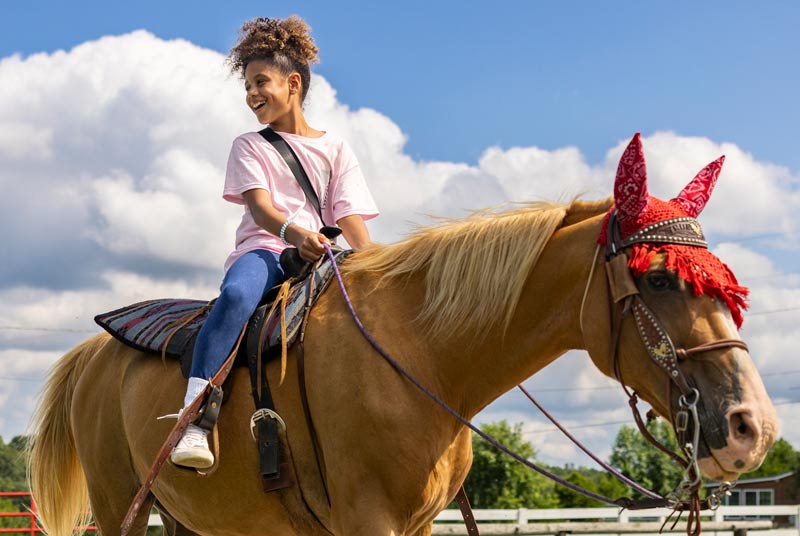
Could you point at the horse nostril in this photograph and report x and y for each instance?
(740, 423)
(742, 428)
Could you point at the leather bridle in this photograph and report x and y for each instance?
(626, 299)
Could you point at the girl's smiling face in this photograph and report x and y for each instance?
(269, 93)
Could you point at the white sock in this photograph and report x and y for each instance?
(194, 388)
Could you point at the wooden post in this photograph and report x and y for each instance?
(718, 515)
(797, 519)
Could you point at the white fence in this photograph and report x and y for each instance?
(725, 521)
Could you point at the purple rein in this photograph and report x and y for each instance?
(621, 502)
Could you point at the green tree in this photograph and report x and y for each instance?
(10, 505)
(498, 481)
(12, 465)
(572, 499)
(595, 480)
(642, 462)
(12, 478)
(609, 486)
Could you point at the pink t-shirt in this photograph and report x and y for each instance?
(331, 167)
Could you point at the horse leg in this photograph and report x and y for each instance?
(374, 527)
(425, 531)
(108, 514)
(111, 495)
(102, 446)
(172, 527)
(365, 512)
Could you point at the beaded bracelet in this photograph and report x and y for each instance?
(282, 234)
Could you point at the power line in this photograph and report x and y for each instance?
(534, 389)
(785, 372)
(565, 389)
(774, 311)
(767, 277)
(72, 330)
(55, 330)
(533, 432)
(616, 423)
(8, 379)
(752, 238)
(595, 425)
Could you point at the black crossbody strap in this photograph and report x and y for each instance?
(299, 173)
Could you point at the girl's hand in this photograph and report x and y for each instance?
(309, 244)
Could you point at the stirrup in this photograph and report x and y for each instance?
(262, 414)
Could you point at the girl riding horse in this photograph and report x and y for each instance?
(273, 57)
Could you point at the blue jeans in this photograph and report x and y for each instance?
(244, 286)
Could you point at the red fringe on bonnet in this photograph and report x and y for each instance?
(700, 268)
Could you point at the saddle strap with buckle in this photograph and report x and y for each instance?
(466, 512)
(275, 469)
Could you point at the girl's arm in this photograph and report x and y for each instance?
(354, 231)
(308, 243)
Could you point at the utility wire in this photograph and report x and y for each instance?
(615, 423)
(595, 425)
(71, 330)
(785, 372)
(54, 330)
(752, 238)
(8, 379)
(773, 311)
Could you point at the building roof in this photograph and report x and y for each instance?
(757, 480)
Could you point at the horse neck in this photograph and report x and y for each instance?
(545, 325)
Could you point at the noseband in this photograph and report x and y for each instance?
(626, 299)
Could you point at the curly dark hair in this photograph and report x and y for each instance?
(286, 44)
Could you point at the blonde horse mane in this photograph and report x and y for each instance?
(474, 268)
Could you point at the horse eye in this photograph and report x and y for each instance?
(658, 281)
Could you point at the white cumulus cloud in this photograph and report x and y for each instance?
(112, 182)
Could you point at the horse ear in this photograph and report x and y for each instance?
(630, 187)
(695, 196)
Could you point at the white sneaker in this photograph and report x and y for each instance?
(192, 450)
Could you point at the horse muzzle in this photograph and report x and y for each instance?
(751, 432)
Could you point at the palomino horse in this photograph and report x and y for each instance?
(471, 308)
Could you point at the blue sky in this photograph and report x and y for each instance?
(112, 152)
(458, 77)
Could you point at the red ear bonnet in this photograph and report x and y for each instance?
(695, 196)
(636, 210)
(630, 187)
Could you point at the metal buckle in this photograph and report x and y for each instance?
(691, 476)
(682, 421)
(262, 414)
(686, 402)
(716, 497)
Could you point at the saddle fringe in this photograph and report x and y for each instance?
(180, 323)
(280, 299)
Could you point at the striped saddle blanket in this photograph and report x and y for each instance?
(170, 326)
